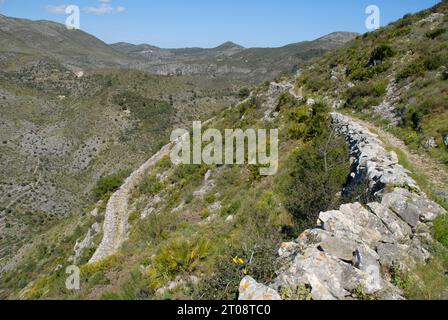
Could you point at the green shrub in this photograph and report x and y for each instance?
(435, 33)
(224, 282)
(134, 216)
(308, 122)
(441, 229)
(151, 186)
(319, 120)
(109, 184)
(435, 61)
(363, 73)
(244, 93)
(318, 172)
(231, 209)
(381, 53)
(315, 82)
(365, 95)
(179, 255)
(286, 101)
(414, 115)
(211, 198)
(413, 69)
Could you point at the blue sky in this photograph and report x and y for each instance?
(208, 23)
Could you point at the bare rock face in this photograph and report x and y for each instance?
(354, 247)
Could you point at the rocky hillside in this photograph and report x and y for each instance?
(20, 38)
(396, 78)
(64, 116)
(361, 153)
(23, 40)
(254, 64)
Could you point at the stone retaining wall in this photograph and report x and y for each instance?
(353, 249)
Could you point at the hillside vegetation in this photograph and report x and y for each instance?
(396, 77)
(196, 230)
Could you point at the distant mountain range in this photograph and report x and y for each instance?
(76, 49)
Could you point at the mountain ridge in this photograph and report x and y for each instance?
(77, 49)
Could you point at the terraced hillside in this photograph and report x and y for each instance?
(351, 124)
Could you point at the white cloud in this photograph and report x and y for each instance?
(60, 9)
(103, 8)
(121, 9)
(100, 9)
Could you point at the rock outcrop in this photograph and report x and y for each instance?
(273, 95)
(251, 290)
(85, 243)
(352, 249)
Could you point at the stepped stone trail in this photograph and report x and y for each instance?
(116, 226)
(116, 217)
(353, 249)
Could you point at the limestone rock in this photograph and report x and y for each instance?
(354, 247)
(352, 221)
(287, 249)
(251, 290)
(371, 160)
(396, 226)
(87, 242)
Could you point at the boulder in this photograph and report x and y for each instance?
(352, 221)
(398, 202)
(341, 249)
(399, 229)
(251, 290)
